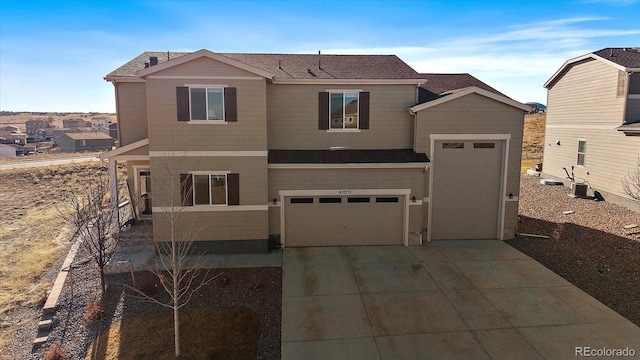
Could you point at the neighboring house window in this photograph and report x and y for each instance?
(582, 151)
(210, 189)
(347, 110)
(206, 104)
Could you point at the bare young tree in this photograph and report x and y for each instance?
(631, 183)
(94, 222)
(180, 273)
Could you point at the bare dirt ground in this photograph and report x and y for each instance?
(533, 140)
(33, 242)
(589, 247)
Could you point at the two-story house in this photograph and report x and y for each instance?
(313, 150)
(593, 121)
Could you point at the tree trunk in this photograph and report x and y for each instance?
(176, 330)
(103, 287)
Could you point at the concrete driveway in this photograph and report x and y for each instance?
(444, 300)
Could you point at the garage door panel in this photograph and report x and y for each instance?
(344, 223)
(466, 191)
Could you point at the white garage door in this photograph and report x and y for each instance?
(466, 189)
(344, 220)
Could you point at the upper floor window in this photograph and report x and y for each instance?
(348, 110)
(206, 103)
(344, 110)
(582, 151)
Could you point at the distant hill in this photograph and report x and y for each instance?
(19, 118)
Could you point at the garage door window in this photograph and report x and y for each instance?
(358, 200)
(306, 200)
(453, 145)
(386, 199)
(330, 200)
(484, 145)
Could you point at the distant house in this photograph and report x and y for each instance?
(17, 138)
(100, 123)
(593, 120)
(10, 128)
(81, 142)
(7, 151)
(35, 124)
(75, 123)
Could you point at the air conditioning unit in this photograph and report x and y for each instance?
(579, 190)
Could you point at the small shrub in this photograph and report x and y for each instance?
(94, 311)
(55, 352)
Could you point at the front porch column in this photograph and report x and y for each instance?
(113, 189)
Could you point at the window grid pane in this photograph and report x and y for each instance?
(215, 109)
(337, 110)
(198, 104)
(218, 190)
(201, 190)
(350, 111)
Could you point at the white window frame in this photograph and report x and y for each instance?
(584, 153)
(209, 173)
(206, 92)
(344, 107)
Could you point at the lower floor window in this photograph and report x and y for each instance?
(210, 189)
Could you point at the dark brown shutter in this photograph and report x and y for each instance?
(230, 105)
(182, 103)
(233, 189)
(186, 189)
(323, 111)
(364, 110)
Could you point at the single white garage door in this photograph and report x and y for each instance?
(343, 220)
(466, 189)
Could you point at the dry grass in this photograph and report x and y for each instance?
(32, 235)
(51, 156)
(210, 333)
(533, 140)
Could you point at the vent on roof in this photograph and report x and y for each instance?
(153, 60)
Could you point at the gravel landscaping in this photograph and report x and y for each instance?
(589, 247)
(258, 289)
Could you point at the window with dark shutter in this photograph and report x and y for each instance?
(364, 110)
(233, 189)
(230, 105)
(323, 111)
(182, 103)
(186, 189)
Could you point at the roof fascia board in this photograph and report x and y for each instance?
(467, 91)
(348, 81)
(115, 79)
(124, 149)
(203, 53)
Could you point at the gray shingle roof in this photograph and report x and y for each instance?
(437, 84)
(627, 57)
(299, 66)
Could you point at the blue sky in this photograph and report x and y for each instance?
(54, 54)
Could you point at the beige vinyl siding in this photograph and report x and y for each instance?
(293, 118)
(609, 156)
(586, 94)
(510, 219)
(584, 105)
(274, 220)
(213, 225)
(252, 170)
(204, 67)
(345, 179)
(475, 114)
(247, 134)
(207, 226)
(131, 102)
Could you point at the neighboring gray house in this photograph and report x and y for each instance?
(593, 121)
(84, 141)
